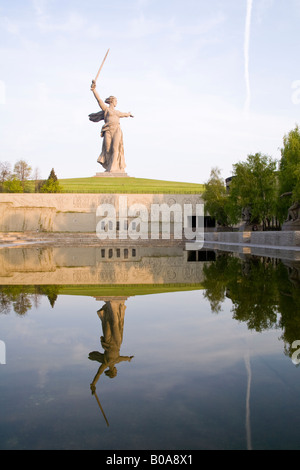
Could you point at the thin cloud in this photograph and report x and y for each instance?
(262, 9)
(9, 25)
(142, 26)
(73, 23)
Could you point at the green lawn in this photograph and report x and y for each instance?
(127, 185)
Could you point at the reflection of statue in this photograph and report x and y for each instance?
(112, 155)
(293, 268)
(112, 318)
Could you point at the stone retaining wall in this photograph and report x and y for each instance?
(72, 212)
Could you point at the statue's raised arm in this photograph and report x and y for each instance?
(96, 95)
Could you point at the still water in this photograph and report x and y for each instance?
(157, 349)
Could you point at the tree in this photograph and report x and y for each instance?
(254, 187)
(22, 171)
(53, 175)
(5, 173)
(216, 199)
(13, 185)
(52, 184)
(289, 171)
(37, 179)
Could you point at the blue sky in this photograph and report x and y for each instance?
(179, 67)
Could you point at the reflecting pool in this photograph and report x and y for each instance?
(149, 348)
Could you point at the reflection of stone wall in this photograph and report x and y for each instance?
(71, 212)
(255, 238)
(282, 245)
(92, 265)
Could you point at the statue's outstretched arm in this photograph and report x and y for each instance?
(100, 102)
(121, 115)
(124, 358)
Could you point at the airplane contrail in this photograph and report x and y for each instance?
(246, 53)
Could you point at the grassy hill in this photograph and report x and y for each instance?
(127, 185)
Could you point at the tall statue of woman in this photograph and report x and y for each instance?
(112, 155)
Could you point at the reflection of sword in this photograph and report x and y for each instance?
(101, 66)
(98, 401)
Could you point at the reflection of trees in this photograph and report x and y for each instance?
(49, 291)
(217, 278)
(265, 294)
(289, 305)
(22, 304)
(14, 298)
(254, 295)
(5, 302)
(21, 298)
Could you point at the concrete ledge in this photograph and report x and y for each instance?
(282, 239)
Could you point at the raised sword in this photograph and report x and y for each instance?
(101, 67)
